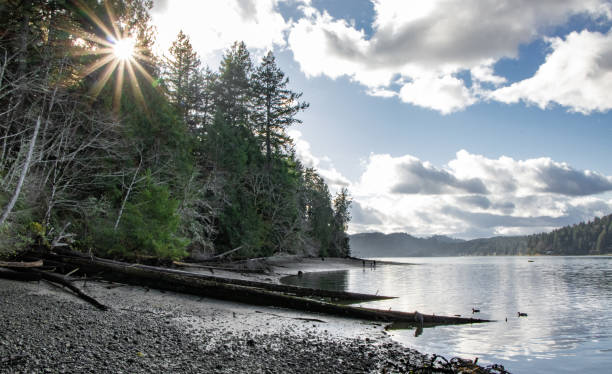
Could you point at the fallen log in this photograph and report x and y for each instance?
(197, 284)
(208, 267)
(17, 275)
(21, 264)
(287, 289)
(220, 255)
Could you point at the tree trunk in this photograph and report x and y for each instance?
(24, 172)
(127, 195)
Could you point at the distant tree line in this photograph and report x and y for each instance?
(187, 160)
(586, 238)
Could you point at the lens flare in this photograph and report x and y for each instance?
(124, 48)
(118, 52)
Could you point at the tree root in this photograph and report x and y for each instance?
(456, 365)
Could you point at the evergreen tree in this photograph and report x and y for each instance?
(184, 80)
(275, 105)
(342, 216)
(232, 90)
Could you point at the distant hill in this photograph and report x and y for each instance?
(586, 238)
(404, 245)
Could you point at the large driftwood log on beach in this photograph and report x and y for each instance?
(232, 290)
(287, 289)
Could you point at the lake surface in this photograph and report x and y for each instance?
(568, 301)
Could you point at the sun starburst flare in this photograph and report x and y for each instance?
(117, 51)
(124, 48)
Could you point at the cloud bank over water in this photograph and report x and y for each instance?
(470, 196)
(473, 194)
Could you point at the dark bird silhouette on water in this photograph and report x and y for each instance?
(475, 310)
(521, 314)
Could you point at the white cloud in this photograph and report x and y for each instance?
(476, 194)
(577, 75)
(334, 179)
(429, 43)
(213, 25)
(445, 94)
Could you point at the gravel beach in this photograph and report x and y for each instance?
(44, 329)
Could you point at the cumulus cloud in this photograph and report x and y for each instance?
(479, 201)
(334, 179)
(445, 94)
(213, 27)
(475, 194)
(429, 43)
(540, 175)
(364, 215)
(577, 75)
(421, 177)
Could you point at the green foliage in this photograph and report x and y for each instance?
(149, 225)
(586, 238)
(220, 169)
(233, 89)
(275, 105)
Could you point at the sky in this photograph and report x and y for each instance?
(467, 118)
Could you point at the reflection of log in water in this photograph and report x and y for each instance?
(202, 285)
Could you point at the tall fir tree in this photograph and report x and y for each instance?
(233, 87)
(275, 105)
(184, 80)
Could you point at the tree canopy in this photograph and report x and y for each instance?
(134, 154)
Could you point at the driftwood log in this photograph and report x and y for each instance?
(21, 264)
(32, 274)
(287, 289)
(212, 268)
(232, 290)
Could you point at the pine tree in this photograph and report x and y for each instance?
(233, 88)
(342, 216)
(275, 105)
(184, 80)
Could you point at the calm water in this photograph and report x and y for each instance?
(568, 301)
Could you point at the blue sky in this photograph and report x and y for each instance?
(465, 118)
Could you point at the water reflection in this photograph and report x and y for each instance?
(331, 280)
(568, 301)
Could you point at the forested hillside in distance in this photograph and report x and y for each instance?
(106, 147)
(404, 245)
(586, 238)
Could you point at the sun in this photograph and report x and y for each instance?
(118, 55)
(123, 49)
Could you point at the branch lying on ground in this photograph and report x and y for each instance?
(298, 318)
(21, 264)
(31, 274)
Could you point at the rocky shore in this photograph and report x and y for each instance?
(46, 330)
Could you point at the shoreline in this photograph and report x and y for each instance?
(46, 329)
